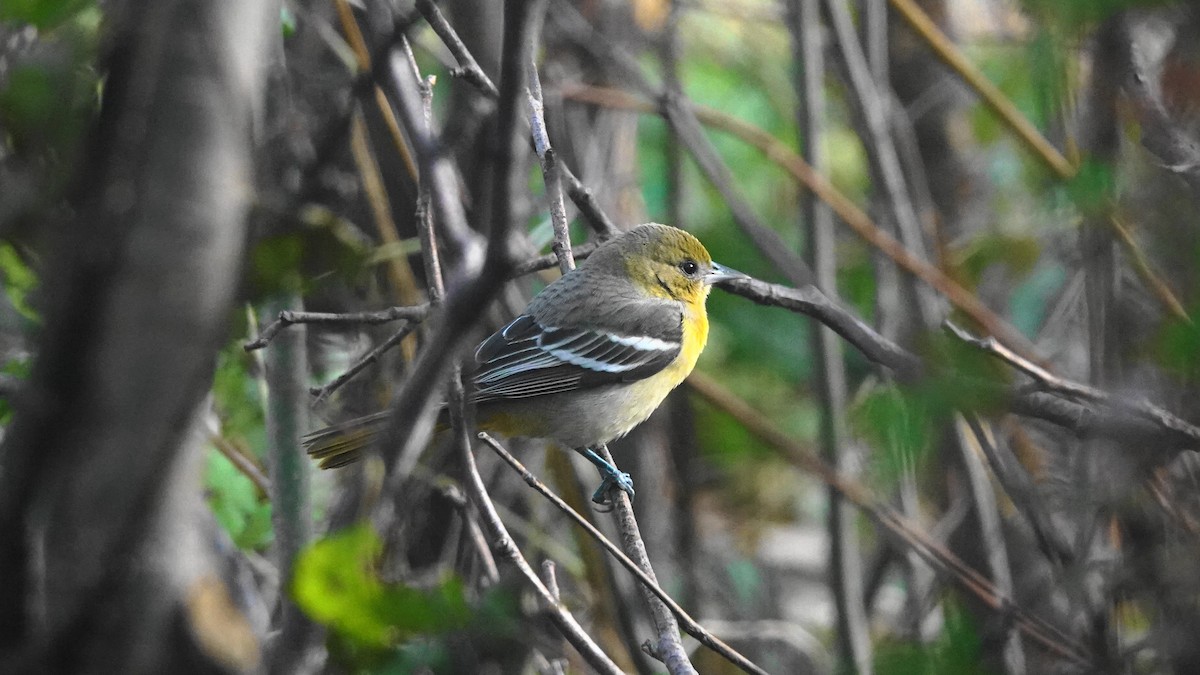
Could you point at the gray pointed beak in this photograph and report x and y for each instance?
(720, 273)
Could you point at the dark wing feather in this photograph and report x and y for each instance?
(527, 358)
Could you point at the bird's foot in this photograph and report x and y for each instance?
(617, 480)
(614, 479)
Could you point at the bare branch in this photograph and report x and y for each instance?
(468, 67)
(371, 357)
(843, 206)
(948, 52)
(1047, 381)
(646, 579)
(415, 313)
(551, 174)
(504, 545)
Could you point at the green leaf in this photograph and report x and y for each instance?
(44, 14)
(237, 399)
(275, 263)
(287, 22)
(19, 281)
(335, 583)
(235, 503)
(17, 368)
(1178, 347)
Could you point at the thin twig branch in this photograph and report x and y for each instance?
(244, 464)
(321, 393)
(679, 113)
(491, 574)
(949, 54)
(1141, 265)
(991, 538)
(669, 647)
(1050, 382)
(852, 637)
(413, 313)
(1059, 404)
(468, 67)
(551, 174)
(689, 624)
(504, 545)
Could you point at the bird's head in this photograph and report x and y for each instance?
(667, 262)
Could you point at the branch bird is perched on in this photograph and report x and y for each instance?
(592, 356)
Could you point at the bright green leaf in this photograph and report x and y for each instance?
(335, 583)
(19, 281)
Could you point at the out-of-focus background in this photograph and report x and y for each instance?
(174, 174)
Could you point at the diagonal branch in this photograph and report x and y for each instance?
(898, 526)
(842, 205)
(949, 54)
(689, 624)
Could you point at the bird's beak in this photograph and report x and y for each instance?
(722, 273)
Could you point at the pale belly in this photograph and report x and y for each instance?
(579, 419)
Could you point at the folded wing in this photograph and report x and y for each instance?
(527, 358)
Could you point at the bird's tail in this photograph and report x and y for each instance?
(340, 444)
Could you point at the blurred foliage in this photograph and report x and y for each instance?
(237, 395)
(44, 14)
(1078, 16)
(19, 283)
(335, 583)
(956, 650)
(235, 500)
(391, 627)
(1177, 347)
(236, 503)
(900, 425)
(48, 98)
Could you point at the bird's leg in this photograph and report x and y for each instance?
(613, 478)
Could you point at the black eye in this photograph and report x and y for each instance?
(689, 267)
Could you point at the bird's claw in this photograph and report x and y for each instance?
(614, 480)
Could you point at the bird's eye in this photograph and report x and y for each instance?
(689, 267)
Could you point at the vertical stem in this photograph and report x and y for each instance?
(674, 86)
(970, 436)
(845, 562)
(286, 375)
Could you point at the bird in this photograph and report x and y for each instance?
(590, 358)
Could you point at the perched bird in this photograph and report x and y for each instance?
(593, 355)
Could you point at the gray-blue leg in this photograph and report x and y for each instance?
(613, 477)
